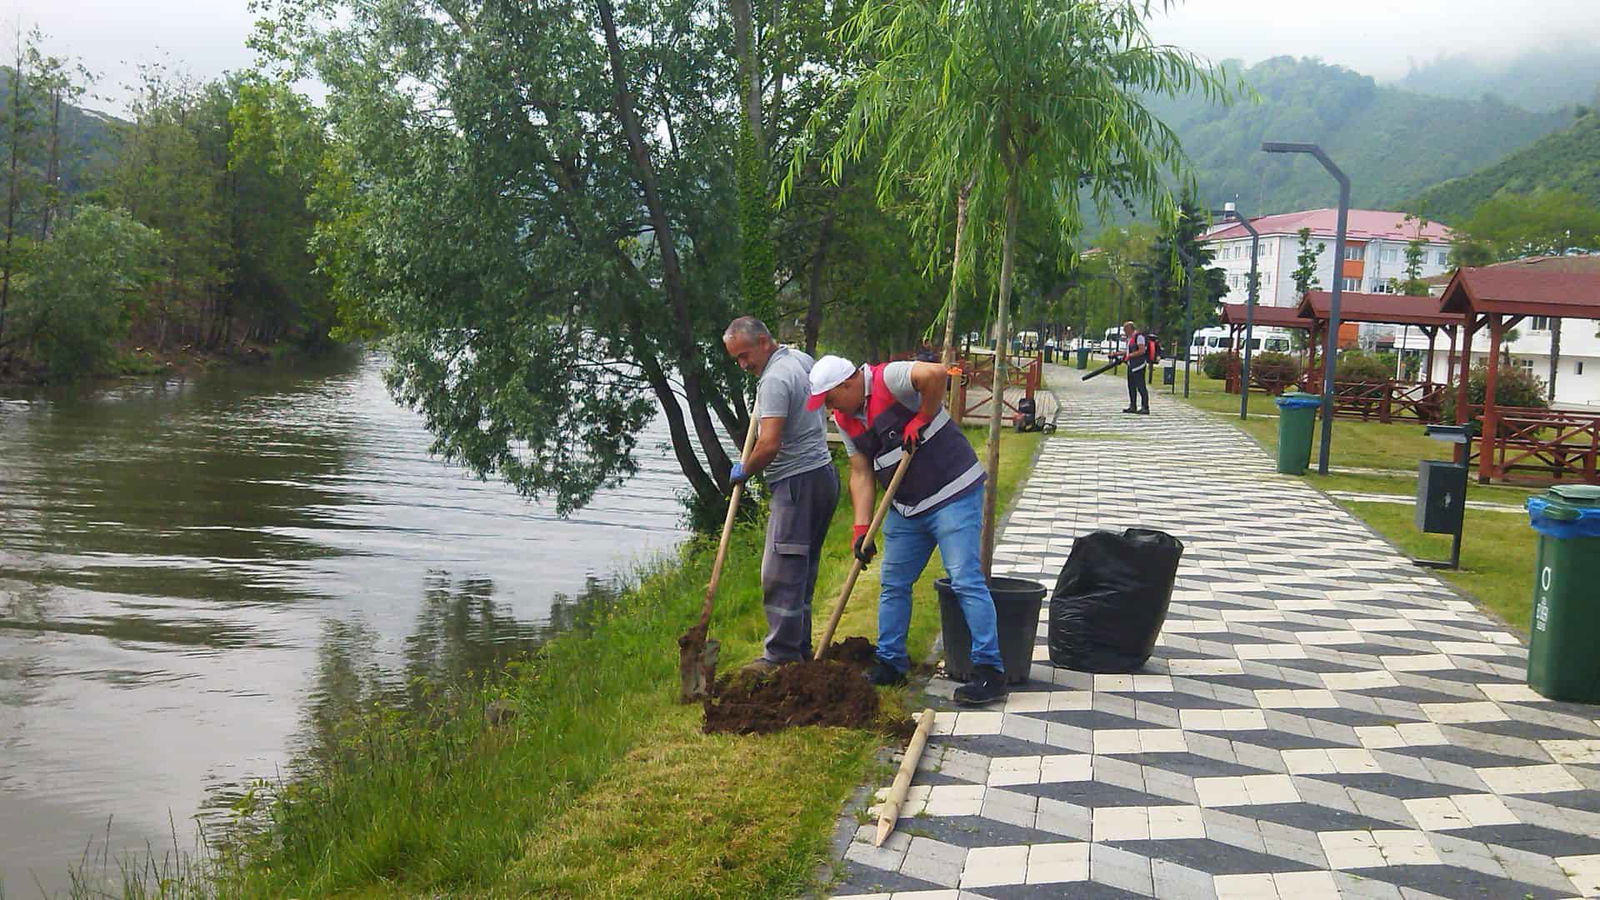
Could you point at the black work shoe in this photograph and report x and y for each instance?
(884, 675)
(1144, 412)
(1130, 410)
(988, 684)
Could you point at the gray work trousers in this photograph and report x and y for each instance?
(802, 506)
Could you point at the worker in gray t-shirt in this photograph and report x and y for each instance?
(792, 453)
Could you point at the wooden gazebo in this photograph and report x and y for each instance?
(1234, 315)
(1520, 443)
(1390, 398)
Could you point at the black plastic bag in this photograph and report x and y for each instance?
(1111, 599)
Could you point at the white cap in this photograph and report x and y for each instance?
(826, 374)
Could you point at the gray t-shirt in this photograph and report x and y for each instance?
(897, 375)
(782, 392)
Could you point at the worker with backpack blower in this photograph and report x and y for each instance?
(1142, 353)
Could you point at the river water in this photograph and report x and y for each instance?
(194, 571)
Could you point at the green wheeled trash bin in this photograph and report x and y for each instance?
(1562, 662)
(1083, 357)
(1297, 419)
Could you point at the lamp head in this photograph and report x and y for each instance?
(1287, 147)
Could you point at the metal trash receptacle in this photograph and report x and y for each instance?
(1441, 496)
(1562, 663)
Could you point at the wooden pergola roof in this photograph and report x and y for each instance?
(1383, 309)
(1523, 291)
(1266, 316)
(1515, 441)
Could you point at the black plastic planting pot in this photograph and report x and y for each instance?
(1017, 602)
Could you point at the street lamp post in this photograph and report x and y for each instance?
(1122, 295)
(1150, 311)
(1188, 314)
(1229, 211)
(1330, 351)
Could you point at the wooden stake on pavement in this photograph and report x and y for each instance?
(890, 812)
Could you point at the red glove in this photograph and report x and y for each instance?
(863, 548)
(913, 432)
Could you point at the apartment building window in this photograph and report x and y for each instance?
(1539, 323)
(1444, 257)
(1579, 367)
(1350, 284)
(1390, 255)
(1381, 287)
(1355, 251)
(1526, 365)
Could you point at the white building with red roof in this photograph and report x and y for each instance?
(1375, 251)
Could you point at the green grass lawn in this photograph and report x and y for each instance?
(601, 785)
(1497, 548)
(1497, 554)
(1403, 483)
(1358, 445)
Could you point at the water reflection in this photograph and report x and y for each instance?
(197, 576)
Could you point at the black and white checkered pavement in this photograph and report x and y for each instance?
(1321, 717)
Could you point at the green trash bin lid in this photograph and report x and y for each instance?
(1566, 511)
(1577, 494)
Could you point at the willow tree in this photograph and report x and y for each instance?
(535, 201)
(1017, 103)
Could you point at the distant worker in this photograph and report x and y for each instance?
(1140, 355)
(884, 412)
(792, 451)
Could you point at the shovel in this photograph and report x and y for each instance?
(855, 571)
(697, 657)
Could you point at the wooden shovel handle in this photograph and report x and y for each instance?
(855, 570)
(727, 526)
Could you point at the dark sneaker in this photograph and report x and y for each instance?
(884, 675)
(760, 667)
(1144, 412)
(987, 685)
(1130, 410)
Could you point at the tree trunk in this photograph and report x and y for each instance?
(1555, 357)
(671, 270)
(749, 68)
(814, 283)
(682, 447)
(13, 194)
(963, 195)
(1001, 345)
(52, 173)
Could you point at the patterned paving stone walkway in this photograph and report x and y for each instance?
(1321, 718)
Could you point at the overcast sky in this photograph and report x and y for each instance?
(206, 37)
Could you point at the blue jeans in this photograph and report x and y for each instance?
(956, 529)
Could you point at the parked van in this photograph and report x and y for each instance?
(1210, 340)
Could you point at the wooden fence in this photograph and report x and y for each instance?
(971, 391)
(1540, 445)
(1387, 400)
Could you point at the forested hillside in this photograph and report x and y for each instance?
(1568, 160)
(85, 137)
(1392, 143)
(1544, 79)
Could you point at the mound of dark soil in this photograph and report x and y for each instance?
(854, 651)
(806, 693)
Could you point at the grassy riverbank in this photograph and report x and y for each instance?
(600, 785)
